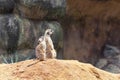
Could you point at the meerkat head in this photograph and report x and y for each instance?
(49, 31)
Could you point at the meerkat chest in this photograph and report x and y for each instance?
(49, 42)
(42, 45)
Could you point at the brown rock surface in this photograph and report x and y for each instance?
(96, 8)
(41, 9)
(88, 27)
(53, 70)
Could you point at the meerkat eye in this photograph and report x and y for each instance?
(47, 32)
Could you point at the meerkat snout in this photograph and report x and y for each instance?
(49, 32)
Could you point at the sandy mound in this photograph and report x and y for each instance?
(53, 70)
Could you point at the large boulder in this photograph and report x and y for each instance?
(15, 33)
(9, 31)
(41, 9)
(6, 6)
(111, 60)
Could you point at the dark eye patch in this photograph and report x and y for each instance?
(38, 42)
(48, 33)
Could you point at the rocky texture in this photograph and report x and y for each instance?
(111, 60)
(103, 9)
(83, 39)
(89, 26)
(41, 9)
(112, 68)
(9, 29)
(11, 33)
(18, 35)
(52, 70)
(101, 63)
(19, 32)
(110, 51)
(6, 6)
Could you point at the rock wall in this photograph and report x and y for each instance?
(90, 26)
(41, 9)
(22, 22)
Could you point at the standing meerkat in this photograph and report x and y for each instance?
(50, 51)
(41, 49)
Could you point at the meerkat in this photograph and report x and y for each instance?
(50, 51)
(41, 49)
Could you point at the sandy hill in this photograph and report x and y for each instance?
(53, 69)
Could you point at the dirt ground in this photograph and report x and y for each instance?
(53, 69)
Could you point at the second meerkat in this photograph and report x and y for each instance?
(41, 49)
(50, 51)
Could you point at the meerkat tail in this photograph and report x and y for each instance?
(33, 63)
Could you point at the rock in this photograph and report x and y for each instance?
(83, 42)
(110, 51)
(41, 9)
(111, 64)
(25, 54)
(9, 32)
(77, 9)
(26, 34)
(112, 68)
(88, 27)
(3, 32)
(116, 60)
(101, 63)
(6, 6)
(16, 33)
(53, 69)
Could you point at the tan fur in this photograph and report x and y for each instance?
(41, 49)
(50, 51)
(45, 48)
